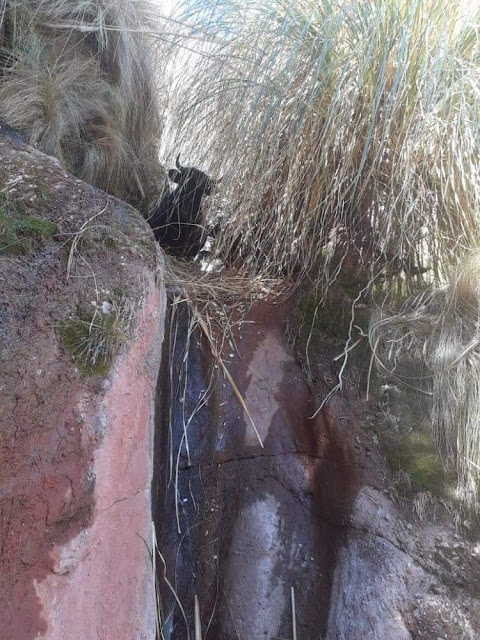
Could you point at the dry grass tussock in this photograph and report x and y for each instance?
(77, 80)
(216, 301)
(333, 122)
(438, 332)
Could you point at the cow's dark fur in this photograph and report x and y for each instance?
(177, 221)
(9, 131)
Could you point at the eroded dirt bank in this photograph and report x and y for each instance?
(239, 525)
(76, 435)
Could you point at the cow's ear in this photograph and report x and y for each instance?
(175, 176)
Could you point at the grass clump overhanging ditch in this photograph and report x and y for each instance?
(21, 233)
(348, 129)
(94, 337)
(337, 124)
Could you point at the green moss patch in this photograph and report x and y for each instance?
(413, 452)
(94, 339)
(21, 233)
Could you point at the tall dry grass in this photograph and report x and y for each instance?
(79, 81)
(352, 122)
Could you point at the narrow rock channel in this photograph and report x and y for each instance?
(239, 525)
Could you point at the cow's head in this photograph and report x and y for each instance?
(192, 181)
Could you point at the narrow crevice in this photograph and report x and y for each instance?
(262, 456)
(232, 533)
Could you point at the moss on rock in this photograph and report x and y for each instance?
(20, 233)
(413, 451)
(94, 338)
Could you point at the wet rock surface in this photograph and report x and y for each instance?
(312, 510)
(253, 522)
(75, 450)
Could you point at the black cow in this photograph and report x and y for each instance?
(9, 131)
(177, 221)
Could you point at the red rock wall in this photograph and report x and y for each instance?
(76, 451)
(100, 584)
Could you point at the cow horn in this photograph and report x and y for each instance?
(179, 166)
